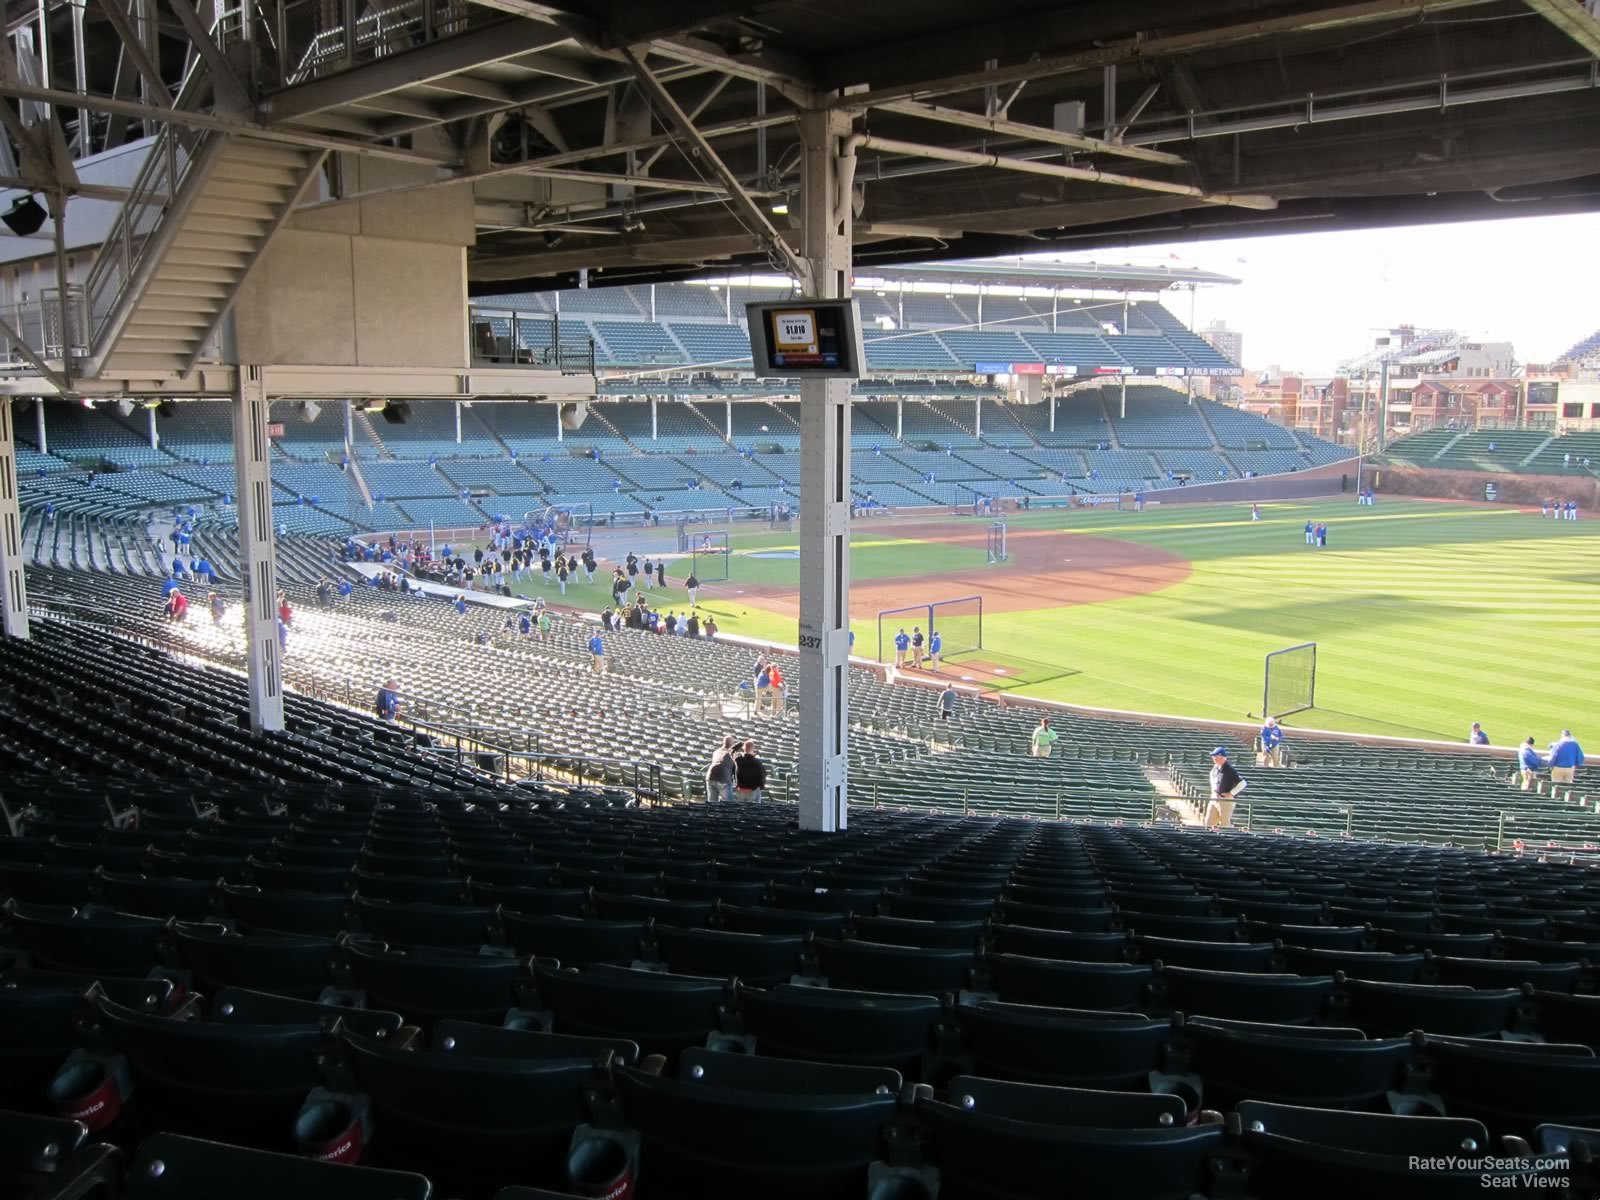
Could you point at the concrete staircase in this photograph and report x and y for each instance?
(1216, 442)
(181, 266)
(1111, 426)
(363, 422)
(1444, 449)
(1537, 450)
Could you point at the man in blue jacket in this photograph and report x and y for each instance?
(902, 643)
(1271, 743)
(597, 655)
(1530, 762)
(1566, 756)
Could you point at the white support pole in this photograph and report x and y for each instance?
(1055, 312)
(655, 428)
(14, 601)
(727, 421)
(350, 426)
(977, 417)
(1124, 414)
(652, 302)
(39, 435)
(252, 464)
(824, 499)
(155, 438)
(457, 407)
(1052, 414)
(561, 433)
(899, 419)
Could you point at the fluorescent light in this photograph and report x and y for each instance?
(780, 207)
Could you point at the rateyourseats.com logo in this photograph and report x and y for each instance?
(1501, 1174)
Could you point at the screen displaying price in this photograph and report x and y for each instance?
(805, 337)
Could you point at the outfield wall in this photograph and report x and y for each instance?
(1530, 490)
(1328, 480)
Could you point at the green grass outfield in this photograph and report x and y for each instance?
(1428, 616)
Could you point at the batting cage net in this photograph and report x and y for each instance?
(709, 555)
(1291, 681)
(959, 624)
(573, 523)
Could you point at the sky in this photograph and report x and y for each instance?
(1308, 300)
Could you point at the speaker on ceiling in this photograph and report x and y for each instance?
(310, 410)
(573, 415)
(25, 217)
(166, 409)
(396, 412)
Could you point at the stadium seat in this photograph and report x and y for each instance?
(1268, 999)
(48, 1158)
(1058, 984)
(664, 1014)
(1290, 1153)
(871, 967)
(573, 941)
(170, 1167)
(1354, 964)
(428, 985)
(286, 912)
(728, 1127)
(1286, 1064)
(86, 941)
(1080, 1048)
(831, 1025)
(929, 935)
(1396, 1009)
(1055, 943)
(757, 959)
(285, 963)
(1514, 1087)
(422, 924)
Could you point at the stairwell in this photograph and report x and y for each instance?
(470, 415)
(1200, 411)
(159, 302)
(1232, 466)
(1442, 450)
(1111, 426)
(594, 414)
(1537, 450)
(354, 467)
(363, 422)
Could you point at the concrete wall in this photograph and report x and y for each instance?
(1329, 480)
(1468, 485)
(376, 282)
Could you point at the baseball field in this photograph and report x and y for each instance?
(1427, 615)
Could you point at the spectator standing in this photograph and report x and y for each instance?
(719, 775)
(749, 773)
(692, 586)
(691, 627)
(1271, 743)
(461, 603)
(1226, 785)
(525, 624)
(217, 608)
(902, 644)
(388, 704)
(544, 625)
(1476, 736)
(661, 573)
(916, 647)
(711, 629)
(588, 563)
(1566, 756)
(1529, 761)
(346, 588)
(597, 655)
(177, 606)
(283, 637)
(935, 649)
(775, 687)
(1043, 740)
(324, 593)
(649, 575)
(947, 702)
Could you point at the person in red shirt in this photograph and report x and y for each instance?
(285, 612)
(177, 606)
(775, 687)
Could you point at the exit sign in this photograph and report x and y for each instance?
(274, 429)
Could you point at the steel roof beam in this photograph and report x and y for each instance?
(1572, 19)
(1031, 133)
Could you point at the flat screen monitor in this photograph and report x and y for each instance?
(804, 339)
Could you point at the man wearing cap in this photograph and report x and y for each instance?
(1271, 743)
(1225, 786)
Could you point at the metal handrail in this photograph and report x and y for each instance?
(166, 165)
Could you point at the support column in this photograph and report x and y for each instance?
(155, 438)
(14, 601)
(1124, 413)
(1052, 414)
(39, 435)
(654, 425)
(977, 417)
(561, 432)
(252, 464)
(350, 426)
(899, 419)
(727, 421)
(824, 498)
(457, 407)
